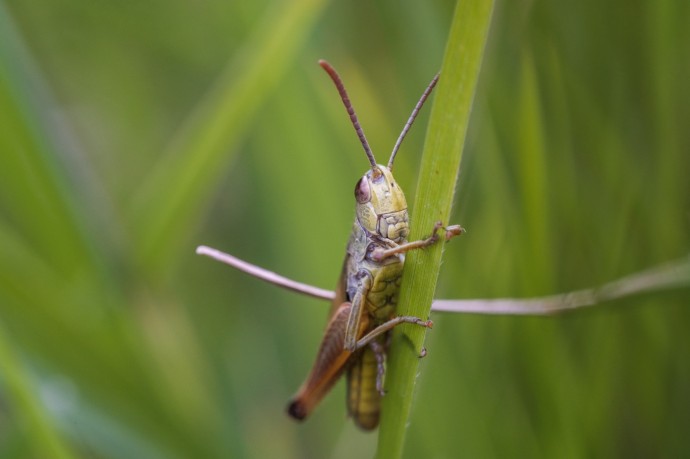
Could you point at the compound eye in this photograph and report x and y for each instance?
(362, 191)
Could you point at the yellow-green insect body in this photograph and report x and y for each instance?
(381, 223)
(363, 310)
(363, 305)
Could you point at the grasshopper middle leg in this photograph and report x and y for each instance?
(389, 325)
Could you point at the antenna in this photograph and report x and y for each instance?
(408, 125)
(351, 111)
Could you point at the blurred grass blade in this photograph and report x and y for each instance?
(172, 200)
(671, 275)
(438, 174)
(36, 186)
(532, 172)
(41, 433)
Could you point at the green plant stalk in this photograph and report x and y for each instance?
(41, 433)
(437, 178)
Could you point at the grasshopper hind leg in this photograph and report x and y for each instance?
(380, 354)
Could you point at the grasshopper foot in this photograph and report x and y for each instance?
(453, 230)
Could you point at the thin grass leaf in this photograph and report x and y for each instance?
(533, 174)
(36, 189)
(437, 177)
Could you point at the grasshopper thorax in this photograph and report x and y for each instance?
(381, 205)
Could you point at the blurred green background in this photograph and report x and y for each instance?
(132, 132)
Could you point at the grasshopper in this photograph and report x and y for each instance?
(363, 310)
(365, 299)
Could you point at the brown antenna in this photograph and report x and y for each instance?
(408, 125)
(350, 111)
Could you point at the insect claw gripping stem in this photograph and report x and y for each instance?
(453, 230)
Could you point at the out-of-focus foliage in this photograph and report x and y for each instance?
(130, 133)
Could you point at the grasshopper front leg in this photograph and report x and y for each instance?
(380, 254)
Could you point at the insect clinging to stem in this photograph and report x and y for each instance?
(364, 304)
(364, 301)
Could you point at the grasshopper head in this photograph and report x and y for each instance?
(381, 205)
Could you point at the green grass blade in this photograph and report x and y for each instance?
(438, 174)
(43, 437)
(35, 188)
(175, 195)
